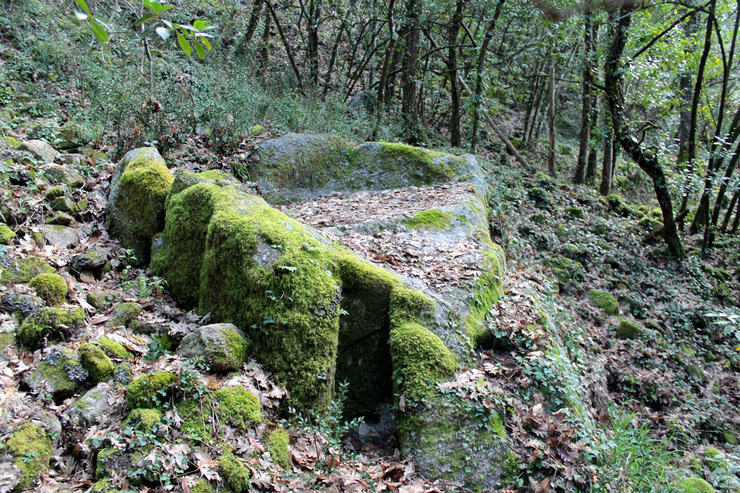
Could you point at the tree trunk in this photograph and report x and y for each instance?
(254, 17)
(384, 71)
(478, 97)
(686, 90)
(265, 49)
(408, 79)
(587, 100)
(551, 166)
(607, 170)
(615, 97)
(728, 215)
(314, 14)
(288, 49)
(455, 25)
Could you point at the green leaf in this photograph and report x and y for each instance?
(144, 18)
(184, 45)
(199, 50)
(83, 5)
(163, 32)
(100, 34)
(200, 25)
(205, 42)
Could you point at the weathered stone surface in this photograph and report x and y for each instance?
(59, 374)
(92, 259)
(222, 346)
(92, 406)
(61, 236)
(123, 313)
(41, 150)
(22, 269)
(64, 175)
(139, 187)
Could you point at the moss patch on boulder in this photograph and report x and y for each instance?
(22, 269)
(52, 288)
(603, 300)
(694, 485)
(96, 362)
(430, 219)
(6, 234)
(150, 390)
(114, 348)
(123, 313)
(49, 323)
(239, 407)
(222, 346)
(628, 329)
(143, 419)
(31, 449)
(59, 374)
(139, 187)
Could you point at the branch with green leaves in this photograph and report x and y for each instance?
(189, 36)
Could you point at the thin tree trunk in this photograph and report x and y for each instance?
(265, 49)
(254, 17)
(646, 161)
(288, 49)
(608, 162)
(335, 47)
(314, 13)
(384, 71)
(409, 110)
(587, 100)
(551, 167)
(728, 214)
(452, 69)
(478, 97)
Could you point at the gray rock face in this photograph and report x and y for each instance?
(138, 191)
(60, 236)
(222, 346)
(64, 175)
(92, 406)
(41, 150)
(22, 303)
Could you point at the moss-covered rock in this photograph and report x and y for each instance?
(31, 449)
(300, 166)
(238, 407)
(616, 204)
(277, 445)
(59, 374)
(110, 460)
(150, 390)
(105, 485)
(52, 288)
(49, 324)
(222, 346)
(430, 219)
(91, 407)
(575, 213)
(143, 419)
(96, 362)
(22, 269)
(61, 236)
(63, 204)
(235, 473)
(569, 273)
(603, 300)
(6, 234)
(139, 187)
(20, 305)
(628, 329)
(96, 300)
(114, 348)
(694, 485)
(122, 314)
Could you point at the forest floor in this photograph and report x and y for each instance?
(555, 360)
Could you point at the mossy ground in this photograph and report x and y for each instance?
(430, 219)
(277, 445)
(96, 362)
(151, 390)
(52, 288)
(22, 270)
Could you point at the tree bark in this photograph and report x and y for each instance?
(645, 160)
(607, 169)
(408, 78)
(254, 17)
(551, 166)
(384, 71)
(455, 25)
(586, 112)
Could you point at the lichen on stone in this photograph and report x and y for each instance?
(50, 287)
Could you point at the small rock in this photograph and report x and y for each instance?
(63, 204)
(92, 259)
(97, 300)
(122, 314)
(22, 303)
(60, 218)
(59, 374)
(61, 236)
(222, 346)
(63, 175)
(92, 406)
(40, 149)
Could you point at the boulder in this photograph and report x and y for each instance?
(61, 236)
(222, 346)
(22, 269)
(59, 374)
(40, 149)
(64, 175)
(92, 406)
(139, 187)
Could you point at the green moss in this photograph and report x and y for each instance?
(628, 329)
(603, 300)
(575, 213)
(23, 269)
(203, 486)
(104, 486)
(31, 449)
(48, 323)
(569, 273)
(59, 373)
(52, 288)
(144, 419)
(430, 219)
(116, 349)
(11, 143)
(648, 224)
(277, 445)
(6, 339)
(694, 485)
(97, 300)
(150, 390)
(96, 362)
(617, 204)
(196, 418)
(239, 406)
(235, 474)
(123, 313)
(139, 188)
(236, 355)
(6, 234)
(420, 359)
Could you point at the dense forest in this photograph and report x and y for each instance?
(610, 137)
